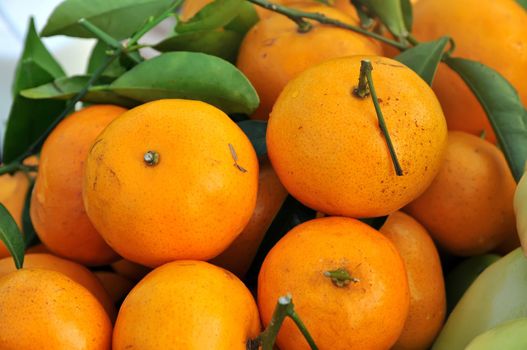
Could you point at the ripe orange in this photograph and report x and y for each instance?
(273, 52)
(271, 195)
(192, 197)
(425, 278)
(115, 285)
(489, 31)
(13, 190)
(367, 313)
(468, 207)
(43, 309)
(326, 146)
(189, 305)
(56, 209)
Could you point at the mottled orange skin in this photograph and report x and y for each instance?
(468, 207)
(56, 209)
(489, 31)
(43, 309)
(70, 269)
(273, 52)
(192, 204)
(238, 257)
(326, 146)
(115, 285)
(13, 190)
(134, 272)
(425, 278)
(368, 314)
(189, 305)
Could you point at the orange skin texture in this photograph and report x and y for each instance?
(271, 195)
(189, 305)
(134, 272)
(273, 52)
(192, 204)
(368, 314)
(13, 190)
(43, 309)
(115, 285)
(70, 269)
(56, 209)
(489, 31)
(468, 207)
(425, 278)
(326, 146)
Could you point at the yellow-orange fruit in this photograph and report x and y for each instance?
(56, 210)
(425, 278)
(43, 309)
(468, 207)
(189, 305)
(171, 179)
(326, 146)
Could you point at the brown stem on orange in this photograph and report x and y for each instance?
(341, 277)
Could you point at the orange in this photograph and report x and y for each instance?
(189, 305)
(273, 52)
(326, 146)
(56, 209)
(116, 285)
(489, 31)
(366, 313)
(425, 278)
(70, 269)
(13, 190)
(271, 195)
(189, 203)
(37, 249)
(44, 309)
(468, 208)
(134, 272)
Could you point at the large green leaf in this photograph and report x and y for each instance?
(406, 7)
(213, 16)
(28, 119)
(11, 236)
(189, 75)
(97, 58)
(246, 19)
(424, 58)
(390, 12)
(504, 109)
(255, 131)
(119, 18)
(68, 87)
(35, 50)
(221, 43)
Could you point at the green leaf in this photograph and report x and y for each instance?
(35, 50)
(255, 131)
(189, 75)
(246, 19)
(424, 58)
(97, 58)
(118, 18)
(68, 87)
(224, 44)
(504, 109)
(390, 12)
(30, 235)
(213, 16)
(406, 6)
(28, 119)
(11, 236)
(523, 3)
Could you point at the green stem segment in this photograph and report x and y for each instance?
(284, 308)
(340, 277)
(300, 16)
(365, 70)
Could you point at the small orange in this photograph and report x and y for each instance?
(57, 211)
(326, 146)
(70, 269)
(271, 195)
(489, 31)
(425, 278)
(43, 309)
(171, 179)
(13, 190)
(189, 305)
(134, 272)
(366, 312)
(273, 52)
(116, 285)
(468, 207)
